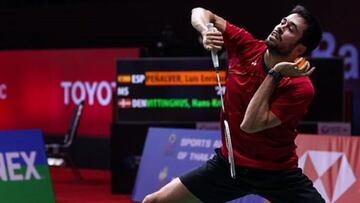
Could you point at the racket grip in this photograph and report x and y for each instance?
(214, 56)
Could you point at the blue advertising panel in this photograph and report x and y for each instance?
(24, 172)
(169, 153)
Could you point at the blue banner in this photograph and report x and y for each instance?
(24, 172)
(169, 153)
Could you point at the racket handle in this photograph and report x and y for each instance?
(214, 56)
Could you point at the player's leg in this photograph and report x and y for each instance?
(173, 192)
(210, 183)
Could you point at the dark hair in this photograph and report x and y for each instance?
(312, 35)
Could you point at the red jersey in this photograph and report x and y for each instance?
(273, 148)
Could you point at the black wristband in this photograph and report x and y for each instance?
(275, 74)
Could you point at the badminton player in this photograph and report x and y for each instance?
(267, 93)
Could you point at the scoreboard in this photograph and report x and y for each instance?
(167, 90)
(184, 90)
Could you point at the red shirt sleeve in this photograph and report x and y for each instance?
(240, 45)
(236, 38)
(291, 101)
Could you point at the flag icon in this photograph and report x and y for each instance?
(124, 79)
(124, 103)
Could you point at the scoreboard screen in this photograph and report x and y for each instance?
(167, 90)
(171, 90)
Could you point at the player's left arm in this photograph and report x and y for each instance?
(258, 115)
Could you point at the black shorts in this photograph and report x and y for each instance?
(212, 183)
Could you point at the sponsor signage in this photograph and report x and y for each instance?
(331, 162)
(175, 151)
(334, 128)
(3, 91)
(24, 173)
(39, 89)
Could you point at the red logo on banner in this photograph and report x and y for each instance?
(325, 163)
(332, 164)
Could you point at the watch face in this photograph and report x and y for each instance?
(276, 75)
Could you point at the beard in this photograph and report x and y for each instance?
(275, 50)
(270, 44)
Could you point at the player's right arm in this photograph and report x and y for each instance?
(200, 17)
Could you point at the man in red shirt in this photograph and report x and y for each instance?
(267, 92)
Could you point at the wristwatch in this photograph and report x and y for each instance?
(275, 74)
